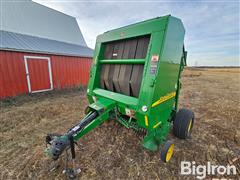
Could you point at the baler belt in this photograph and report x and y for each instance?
(117, 68)
(136, 79)
(125, 78)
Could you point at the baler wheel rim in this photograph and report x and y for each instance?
(167, 151)
(190, 126)
(170, 152)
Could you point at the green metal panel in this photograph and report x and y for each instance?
(166, 78)
(123, 61)
(119, 98)
(138, 29)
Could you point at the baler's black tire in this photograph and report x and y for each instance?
(183, 123)
(167, 151)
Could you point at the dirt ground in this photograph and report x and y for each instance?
(113, 152)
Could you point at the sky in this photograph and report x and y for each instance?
(212, 27)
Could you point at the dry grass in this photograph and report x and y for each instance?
(111, 151)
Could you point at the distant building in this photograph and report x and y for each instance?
(40, 49)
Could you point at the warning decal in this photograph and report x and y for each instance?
(154, 63)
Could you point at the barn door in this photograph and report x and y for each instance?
(38, 73)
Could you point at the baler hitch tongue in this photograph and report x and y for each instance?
(56, 144)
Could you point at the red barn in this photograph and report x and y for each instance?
(40, 54)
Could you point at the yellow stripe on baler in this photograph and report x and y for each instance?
(146, 120)
(156, 125)
(164, 98)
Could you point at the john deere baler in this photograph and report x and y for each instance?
(135, 80)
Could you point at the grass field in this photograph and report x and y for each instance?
(111, 151)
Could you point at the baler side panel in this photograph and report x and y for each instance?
(95, 78)
(168, 70)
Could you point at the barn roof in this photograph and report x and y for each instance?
(27, 43)
(30, 18)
